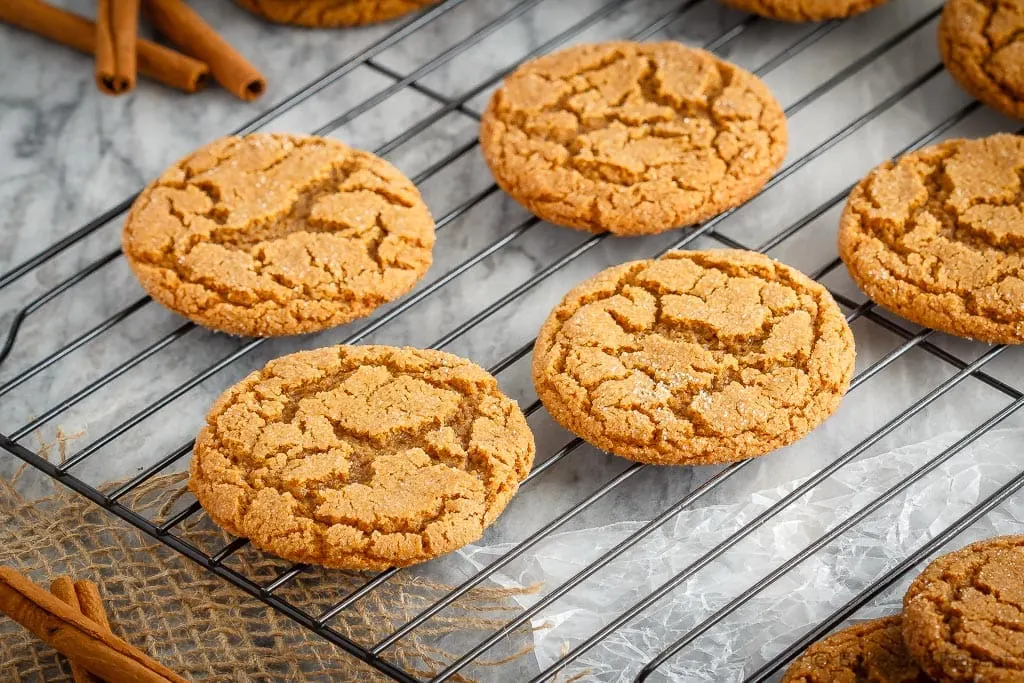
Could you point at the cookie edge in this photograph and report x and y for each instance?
(780, 12)
(256, 7)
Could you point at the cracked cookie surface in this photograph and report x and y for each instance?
(632, 138)
(871, 652)
(982, 45)
(804, 10)
(963, 617)
(361, 457)
(698, 357)
(275, 234)
(937, 237)
(330, 13)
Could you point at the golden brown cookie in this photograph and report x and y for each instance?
(331, 13)
(632, 138)
(697, 357)
(361, 457)
(804, 10)
(274, 234)
(871, 652)
(982, 44)
(936, 237)
(963, 618)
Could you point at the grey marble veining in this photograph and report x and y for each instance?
(69, 154)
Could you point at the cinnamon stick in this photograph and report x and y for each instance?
(90, 603)
(64, 588)
(117, 26)
(154, 61)
(192, 35)
(76, 637)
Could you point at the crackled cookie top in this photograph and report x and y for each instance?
(982, 45)
(632, 138)
(697, 357)
(278, 234)
(327, 13)
(963, 618)
(804, 10)
(872, 651)
(361, 457)
(937, 237)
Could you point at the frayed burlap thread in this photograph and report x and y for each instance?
(205, 629)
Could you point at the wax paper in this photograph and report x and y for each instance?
(788, 607)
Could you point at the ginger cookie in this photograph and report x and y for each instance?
(871, 652)
(804, 10)
(695, 358)
(361, 457)
(632, 138)
(273, 234)
(331, 13)
(936, 237)
(963, 617)
(982, 45)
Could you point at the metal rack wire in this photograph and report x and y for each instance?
(376, 653)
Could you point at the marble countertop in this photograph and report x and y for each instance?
(69, 154)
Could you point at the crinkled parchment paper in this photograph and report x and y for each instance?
(802, 598)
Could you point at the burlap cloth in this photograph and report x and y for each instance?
(199, 625)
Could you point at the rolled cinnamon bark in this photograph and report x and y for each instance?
(90, 603)
(117, 27)
(64, 588)
(154, 61)
(192, 35)
(76, 637)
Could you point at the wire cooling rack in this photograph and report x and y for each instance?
(879, 54)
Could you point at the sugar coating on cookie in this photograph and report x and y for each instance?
(871, 651)
(329, 13)
(804, 10)
(361, 457)
(963, 617)
(274, 234)
(982, 45)
(937, 237)
(694, 358)
(632, 138)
